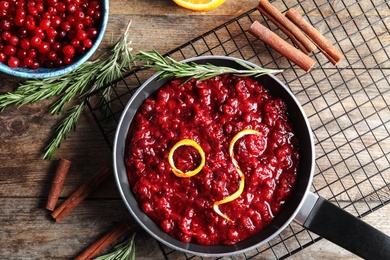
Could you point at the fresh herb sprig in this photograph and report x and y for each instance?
(123, 251)
(72, 87)
(172, 68)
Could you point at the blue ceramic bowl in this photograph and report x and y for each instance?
(80, 59)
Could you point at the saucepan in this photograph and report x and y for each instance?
(313, 212)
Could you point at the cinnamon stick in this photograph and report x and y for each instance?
(285, 25)
(331, 52)
(57, 183)
(281, 46)
(81, 193)
(94, 249)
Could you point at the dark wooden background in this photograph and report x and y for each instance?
(27, 230)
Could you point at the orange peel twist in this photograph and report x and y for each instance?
(180, 173)
(236, 194)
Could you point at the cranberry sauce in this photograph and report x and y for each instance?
(212, 112)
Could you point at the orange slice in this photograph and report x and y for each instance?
(236, 194)
(199, 5)
(180, 173)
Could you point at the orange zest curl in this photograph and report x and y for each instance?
(236, 194)
(178, 172)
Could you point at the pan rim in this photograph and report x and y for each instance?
(124, 187)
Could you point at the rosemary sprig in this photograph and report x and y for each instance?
(123, 251)
(70, 87)
(172, 68)
(62, 129)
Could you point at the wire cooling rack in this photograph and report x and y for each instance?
(347, 106)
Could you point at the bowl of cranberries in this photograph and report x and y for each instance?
(46, 38)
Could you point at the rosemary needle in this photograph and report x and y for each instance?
(123, 251)
(172, 68)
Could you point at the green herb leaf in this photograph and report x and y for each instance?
(123, 251)
(172, 68)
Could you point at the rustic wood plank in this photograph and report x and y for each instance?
(28, 232)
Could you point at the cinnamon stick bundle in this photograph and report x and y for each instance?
(286, 26)
(281, 46)
(81, 193)
(333, 54)
(57, 183)
(94, 249)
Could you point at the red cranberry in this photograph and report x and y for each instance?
(25, 44)
(13, 40)
(5, 24)
(61, 7)
(56, 46)
(79, 15)
(52, 55)
(75, 42)
(67, 60)
(38, 31)
(39, 7)
(52, 2)
(71, 8)
(81, 49)
(28, 61)
(97, 16)
(32, 53)
(56, 21)
(52, 10)
(68, 51)
(32, 10)
(65, 26)
(95, 5)
(35, 65)
(20, 12)
(81, 35)
(46, 16)
(92, 32)
(19, 20)
(44, 47)
(87, 43)
(21, 54)
(10, 50)
(77, 25)
(35, 41)
(45, 24)
(51, 32)
(30, 24)
(4, 5)
(87, 21)
(6, 35)
(3, 13)
(13, 62)
(3, 57)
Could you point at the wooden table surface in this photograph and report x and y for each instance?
(27, 230)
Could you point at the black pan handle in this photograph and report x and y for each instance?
(344, 229)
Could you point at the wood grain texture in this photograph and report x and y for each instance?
(26, 229)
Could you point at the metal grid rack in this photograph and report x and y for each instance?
(347, 106)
